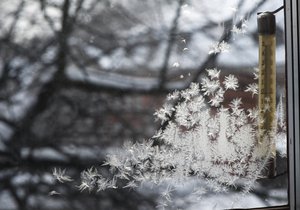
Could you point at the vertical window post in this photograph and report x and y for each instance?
(292, 23)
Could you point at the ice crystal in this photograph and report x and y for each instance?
(255, 73)
(242, 29)
(213, 73)
(252, 88)
(164, 113)
(236, 104)
(209, 87)
(231, 82)
(89, 179)
(167, 192)
(60, 175)
(131, 185)
(281, 116)
(216, 100)
(219, 47)
(253, 113)
(173, 96)
(267, 105)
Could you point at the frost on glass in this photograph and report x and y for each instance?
(199, 138)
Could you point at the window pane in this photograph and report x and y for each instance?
(128, 104)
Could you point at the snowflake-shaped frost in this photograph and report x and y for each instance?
(252, 88)
(219, 47)
(231, 82)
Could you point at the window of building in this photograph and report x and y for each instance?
(153, 104)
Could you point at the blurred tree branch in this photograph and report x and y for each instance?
(171, 40)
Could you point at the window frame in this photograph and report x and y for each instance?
(292, 32)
